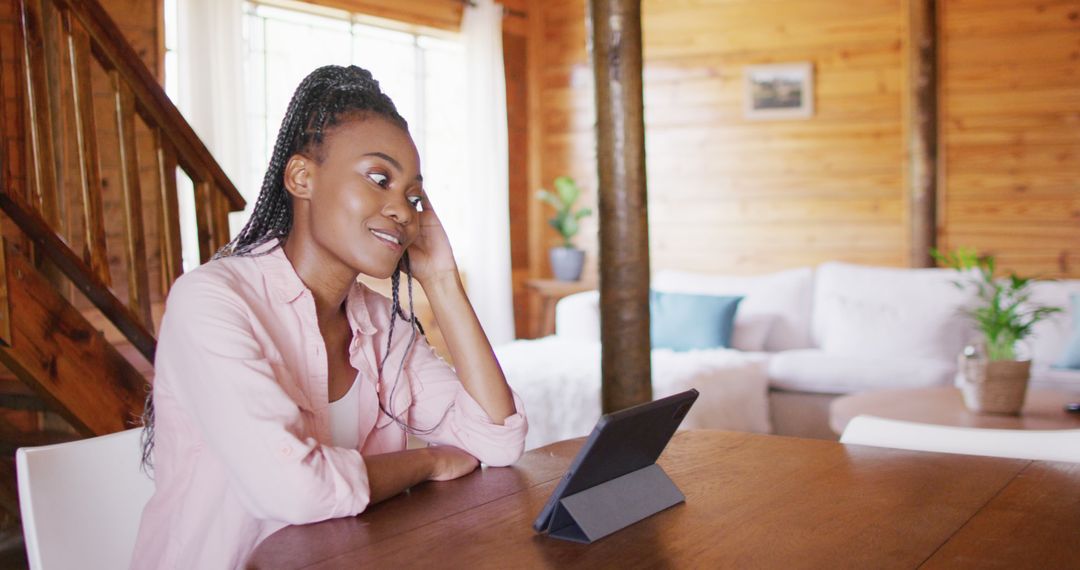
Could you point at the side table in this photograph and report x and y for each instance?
(547, 292)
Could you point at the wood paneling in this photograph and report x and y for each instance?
(731, 195)
(1010, 95)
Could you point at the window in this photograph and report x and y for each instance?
(423, 73)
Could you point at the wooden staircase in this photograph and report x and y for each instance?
(86, 227)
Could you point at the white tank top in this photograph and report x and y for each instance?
(345, 418)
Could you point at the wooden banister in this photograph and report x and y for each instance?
(152, 102)
(86, 35)
(138, 280)
(79, 272)
(82, 92)
(172, 260)
(40, 129)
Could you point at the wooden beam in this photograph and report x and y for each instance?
(923, 131)
(55, 351)
(624, 233)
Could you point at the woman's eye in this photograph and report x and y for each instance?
(381, 179)
(417, 202)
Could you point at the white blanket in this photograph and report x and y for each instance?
(559, 382)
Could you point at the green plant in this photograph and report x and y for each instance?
(1005, 314)
(565, 220)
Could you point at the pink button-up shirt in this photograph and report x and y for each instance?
(242, 444)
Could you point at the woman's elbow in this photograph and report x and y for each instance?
(502, 455)
(293, 505)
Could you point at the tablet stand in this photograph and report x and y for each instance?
(598, 511)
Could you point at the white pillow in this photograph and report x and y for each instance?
(774, 314)
(865, 311)
(577, 316)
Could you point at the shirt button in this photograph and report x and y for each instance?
(286, 450)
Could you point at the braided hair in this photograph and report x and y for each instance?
(327, 97)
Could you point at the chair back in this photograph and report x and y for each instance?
(1046, 445)
(81, 501)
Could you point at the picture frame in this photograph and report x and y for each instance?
(779, 91)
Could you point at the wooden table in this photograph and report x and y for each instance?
(548, 292)
(1043, 409)
(752, 501)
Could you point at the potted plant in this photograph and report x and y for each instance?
(566, 260)
(994, 371)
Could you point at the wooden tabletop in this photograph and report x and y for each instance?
(751, 501)
(1043, 409)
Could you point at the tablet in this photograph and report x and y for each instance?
(621, 442)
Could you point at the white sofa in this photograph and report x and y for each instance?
(835, 329)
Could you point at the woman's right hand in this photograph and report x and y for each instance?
(450, 463)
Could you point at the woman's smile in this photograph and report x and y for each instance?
(390, 238)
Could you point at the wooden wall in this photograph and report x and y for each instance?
(1011, 131)
(733, 195)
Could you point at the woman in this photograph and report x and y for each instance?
(284, 390)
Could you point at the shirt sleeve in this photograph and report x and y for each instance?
(445, 414)
(218, 373)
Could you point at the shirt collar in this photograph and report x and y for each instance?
(286, 285)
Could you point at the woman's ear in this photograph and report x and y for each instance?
(298, 176)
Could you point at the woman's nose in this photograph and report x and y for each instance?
(399, 209)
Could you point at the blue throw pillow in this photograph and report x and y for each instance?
(1071, 358)
(683, 322)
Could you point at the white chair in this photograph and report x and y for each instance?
(1047, 445)
(81, 501)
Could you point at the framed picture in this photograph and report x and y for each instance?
(779, 91)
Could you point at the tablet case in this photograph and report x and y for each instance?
(613, 505)
(614, 481)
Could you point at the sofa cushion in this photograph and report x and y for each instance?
(778, 303)
(1046, 377)
(815, 370)
(1049, 338)
(683, 321)
(865, 311)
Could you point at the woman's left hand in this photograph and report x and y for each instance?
(430, 255)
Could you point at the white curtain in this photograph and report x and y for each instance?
(483, 248)
(210, 61)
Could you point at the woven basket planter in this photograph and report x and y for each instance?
(994, 386)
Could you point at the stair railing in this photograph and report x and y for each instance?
(88, 32)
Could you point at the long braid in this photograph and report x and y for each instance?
(325, 98)
(415, 326)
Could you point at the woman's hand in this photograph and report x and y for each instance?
(450, 463)
(430, 255)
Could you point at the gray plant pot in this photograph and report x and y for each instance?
(566, 263)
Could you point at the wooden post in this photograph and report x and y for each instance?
(615, 40)
(923, 131)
